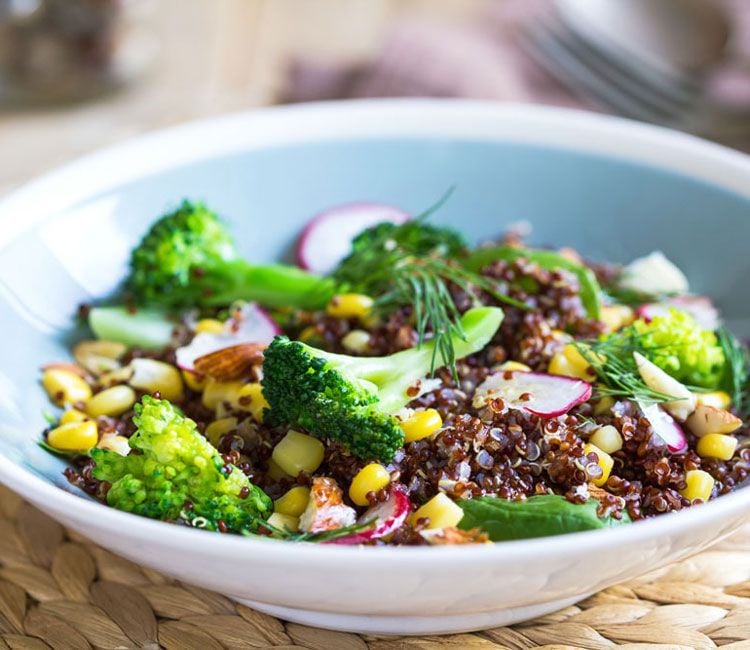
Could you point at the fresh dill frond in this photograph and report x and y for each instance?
(322, 536)
(414, 264)
(736, 373)
(613, 362)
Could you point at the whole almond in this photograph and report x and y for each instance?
(232, 363)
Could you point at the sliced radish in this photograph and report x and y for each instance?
(327, 239)
(249, 324)
(545, 395)
(699, 307)
(388, 516)
(665, 427)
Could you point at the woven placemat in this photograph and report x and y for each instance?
(61, 591)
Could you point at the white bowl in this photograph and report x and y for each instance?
(584, 179)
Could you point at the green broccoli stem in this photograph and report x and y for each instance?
(272, 285)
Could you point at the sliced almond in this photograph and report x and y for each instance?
(709, 419)
(232, 363)
(656, 379)
(99, 356)
(64, 365)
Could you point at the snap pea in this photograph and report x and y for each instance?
(537, 516)
(590, 291)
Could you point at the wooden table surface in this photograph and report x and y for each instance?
(215, 56)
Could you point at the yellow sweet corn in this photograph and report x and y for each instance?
(571, 363)
(716, 445)
(371, 478)
(308, 334)
(350, 305)
(605, 461)
(73, 415)
(152, 376)
(209, 326)
(297, 452)
(284, 522)
(607, 438)
(604, 405)
(218, 428)
(441, 512)
(717, 398)
(514, 366)
(74, 436)
(111, 402)
(356, 341)
(250, 398)
(65, 387)
(699, 485)
(615, 317)
(293, 502)
(421, 424)
(194, 381)
(116, 443)
(274, 471)
(218, 392)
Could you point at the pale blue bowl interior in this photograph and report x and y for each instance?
(608, 209)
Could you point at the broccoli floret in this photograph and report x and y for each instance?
(175, 473)
(682, 348)
(352, 399)
(415, 237)
(188, 259)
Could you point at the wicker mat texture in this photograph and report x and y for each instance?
(58, 590)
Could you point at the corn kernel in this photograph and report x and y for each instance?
(75, 436)
(218, 428)
(717, 398)
(350, 305)
(194, 381)
(72, 415)
(571, 363)
(308, 334)
(514, 366)
(118, 444)
(607, 438)
(604, 405)
(217, 392)
(605, 461)
(297, 452)
(441, 512)
(294, 502)
(357, 341)
(699, 485)
(421, 424)
(371, 478)
(274, 471)
(111, 402)
(209, 326)
(65, 387)
(716, 445)
(615, 317)
(250, 398)
(152, 376)
(284, 522)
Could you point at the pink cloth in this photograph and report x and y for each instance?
(478, 58)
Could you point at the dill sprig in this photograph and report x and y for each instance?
(414, 264)
(322, 536)
(613, 362)
(736, 374)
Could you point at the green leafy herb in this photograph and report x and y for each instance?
(59, 452)
(323, 536)
(414, 264)
(612, 360)
(736, 367)
(537, 516)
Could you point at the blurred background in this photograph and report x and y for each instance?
(76, 75)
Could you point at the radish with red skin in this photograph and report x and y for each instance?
(699, 307)
(327, 238)
(665, 427)
(539, 393)
(250, 324)
(388, 516)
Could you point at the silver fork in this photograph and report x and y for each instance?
(632, 90)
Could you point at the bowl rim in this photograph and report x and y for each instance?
(558, 128)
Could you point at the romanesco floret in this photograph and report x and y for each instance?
(678, 345)
(352, 399)
(188, 259)
(174, 473)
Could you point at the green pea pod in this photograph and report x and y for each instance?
(590, 291)
(537, 516)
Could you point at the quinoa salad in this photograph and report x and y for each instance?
(397, 385)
